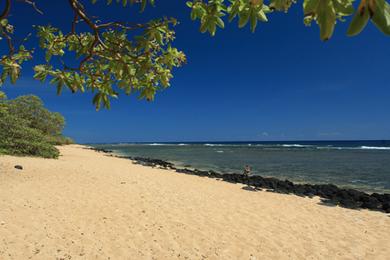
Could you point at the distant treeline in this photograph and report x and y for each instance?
(28, 128)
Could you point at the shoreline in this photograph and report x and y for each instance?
(329, 193)
(89, 205)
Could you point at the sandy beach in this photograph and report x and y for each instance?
(87, 205)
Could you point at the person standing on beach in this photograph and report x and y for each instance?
(247, 172)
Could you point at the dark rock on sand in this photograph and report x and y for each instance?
(349, 203)
(100, 150)
(19, 167)
(386, 207)
(370, 202)
(153, 162)
(331, 194)
(185, 171)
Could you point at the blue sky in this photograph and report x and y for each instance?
(280, 83)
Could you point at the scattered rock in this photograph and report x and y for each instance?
(151, 162)
(371, 203)
(100, 150)
(331, 194)
(19, 167)
(386, 207)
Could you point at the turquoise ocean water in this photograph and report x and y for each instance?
(364, 165)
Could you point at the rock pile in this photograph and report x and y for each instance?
(331, 194)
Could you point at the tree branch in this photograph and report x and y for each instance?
(74, 22)
(121, 25)
(9, 43)
(4, 33)
(33, 4)
(78, 9)
(79, 12)
(6, 10)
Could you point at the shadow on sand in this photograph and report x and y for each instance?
(249, 188)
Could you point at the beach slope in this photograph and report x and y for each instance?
(87, 205)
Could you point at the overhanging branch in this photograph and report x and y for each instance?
(6, 10)
(33, 4)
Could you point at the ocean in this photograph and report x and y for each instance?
(363, 165)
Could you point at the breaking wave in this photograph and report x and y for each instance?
(374, 148)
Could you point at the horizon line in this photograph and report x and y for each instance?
(247, 141)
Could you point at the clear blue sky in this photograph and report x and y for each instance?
(280, 83)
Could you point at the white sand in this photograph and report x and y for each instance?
(87, 205)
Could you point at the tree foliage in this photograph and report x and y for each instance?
(120, 56)
(28, 128)
(31, 109)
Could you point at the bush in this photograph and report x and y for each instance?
(27, 128)
(31, 108)
(60, 140)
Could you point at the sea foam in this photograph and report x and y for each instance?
(374, 148)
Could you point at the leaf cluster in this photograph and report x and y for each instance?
(113, 60)
(10, 63)
(325, 13)
(114, 57)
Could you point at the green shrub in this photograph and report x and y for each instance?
(31, 108)
(60, 140)
(27, 128)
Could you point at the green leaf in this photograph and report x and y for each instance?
(243, 19)
(381, 16)
(358, 22)
(281, 5)
(203, 26)
(59, 87)
(343, 7)
(48, 56)
(193, 14)
(15, 71)
(261, 16)
(97, 100)
(3, 22)
(212, 27)
(233, 10)
(220, 23)
(310, 6)
(189, 4)
(326, 19)
(253, 19)
(143, 5)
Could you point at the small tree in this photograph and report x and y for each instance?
(139, 57)
(17, 138)
(28, 128)
(31, 109)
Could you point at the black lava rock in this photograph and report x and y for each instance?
(152, 162)
(101, 150)
(330, 194)
(348, 203)
(371, 203)
(19, 167)
(386, 207)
